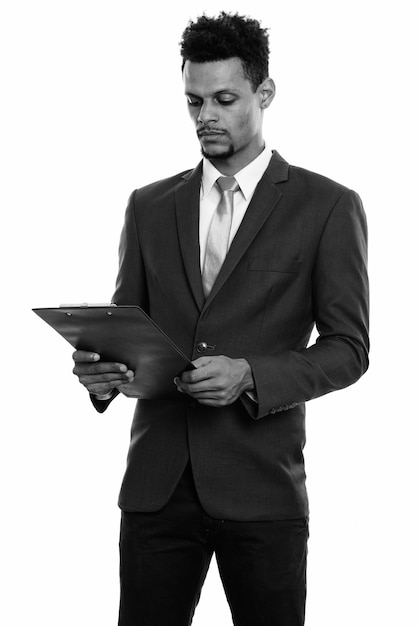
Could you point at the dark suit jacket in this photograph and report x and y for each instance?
(298, 259)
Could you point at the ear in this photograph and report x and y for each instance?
(267, 91)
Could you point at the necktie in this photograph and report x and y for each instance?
(218, 237)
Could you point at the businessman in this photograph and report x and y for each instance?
(236, 260)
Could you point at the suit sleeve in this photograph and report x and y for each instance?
(340, 305)
(130, 282)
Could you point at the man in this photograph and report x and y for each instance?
(218, 468)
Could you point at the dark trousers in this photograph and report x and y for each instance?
(165, 557)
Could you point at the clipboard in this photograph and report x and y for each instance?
(123, 334)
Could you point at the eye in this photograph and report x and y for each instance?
(193, 102)
(226, 102)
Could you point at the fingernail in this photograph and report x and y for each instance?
(95, 356)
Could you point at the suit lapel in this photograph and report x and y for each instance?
(187, 197)
(265, 199)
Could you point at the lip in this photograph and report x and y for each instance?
(210, 133)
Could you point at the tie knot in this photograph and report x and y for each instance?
(227, 183)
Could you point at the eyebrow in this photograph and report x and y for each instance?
(217, 93)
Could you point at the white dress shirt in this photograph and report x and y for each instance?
(247, 178)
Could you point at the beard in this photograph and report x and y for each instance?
(228, 152)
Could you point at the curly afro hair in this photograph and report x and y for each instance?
(227, 36)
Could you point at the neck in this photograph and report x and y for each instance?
(236, 162)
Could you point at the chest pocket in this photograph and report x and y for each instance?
(261, 263)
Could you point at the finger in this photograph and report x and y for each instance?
(108, 377)
(202, 368)
(101, 388)
(202, 361)
(198, 389)
(218, 399)
(84, 368)
(195, 376)
(178, 384)
(82, 356)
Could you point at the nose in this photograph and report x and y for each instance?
(207, 113)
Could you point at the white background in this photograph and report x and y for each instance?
(92, 107)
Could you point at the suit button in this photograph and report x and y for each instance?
(202, 346)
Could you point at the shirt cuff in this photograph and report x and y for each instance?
(104, 396)
(252, 395)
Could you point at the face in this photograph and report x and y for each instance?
(226, 111)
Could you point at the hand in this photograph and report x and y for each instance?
(217, 380)
(97, 377)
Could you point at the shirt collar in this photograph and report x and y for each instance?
(247, 178)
